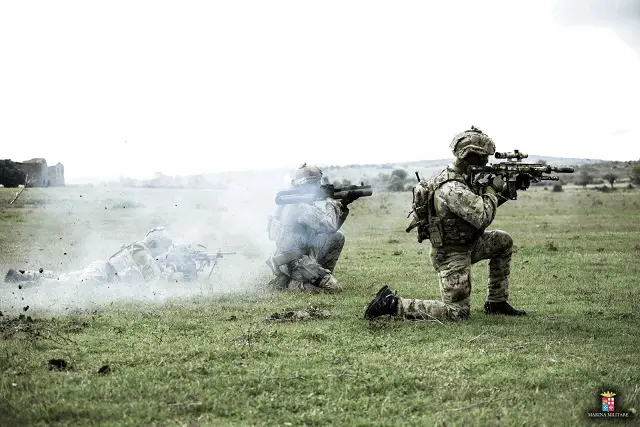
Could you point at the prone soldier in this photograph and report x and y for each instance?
(141, 261)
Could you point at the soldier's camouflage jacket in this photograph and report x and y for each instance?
(450, 211)
(294, 226)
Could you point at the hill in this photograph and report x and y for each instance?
(380, 176)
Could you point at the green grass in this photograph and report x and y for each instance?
(222, 361)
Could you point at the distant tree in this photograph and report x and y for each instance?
(611, 177)
(400, 174)
(346, 183)
(542, 162)
(384, 177)
(584, 179)
(10, 174)
(395, 184)
(634, 172)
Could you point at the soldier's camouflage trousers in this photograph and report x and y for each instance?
(96, 273)
(454, 274)
(313, 272)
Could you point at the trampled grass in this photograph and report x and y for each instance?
(243, 359)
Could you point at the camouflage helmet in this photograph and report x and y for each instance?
(306, 174)
(158, 241)
(472, 141)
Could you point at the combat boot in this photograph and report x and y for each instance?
(279, 283)
(328, 284)
(502, 307)
(385, 302)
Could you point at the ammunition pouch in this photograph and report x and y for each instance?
(420, 211)
(457, 232)
(435, 233)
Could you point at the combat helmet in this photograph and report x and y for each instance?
(306, 174)
(158, 241)
(472, 141)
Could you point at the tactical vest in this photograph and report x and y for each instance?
(442, 229)
(135, 263)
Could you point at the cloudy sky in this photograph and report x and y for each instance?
(135, 87)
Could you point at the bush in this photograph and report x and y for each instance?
(634, 172)
(603, 189)
(400, 173)
(584, 178)
(396, 184)
(10, 174)
(557, 188)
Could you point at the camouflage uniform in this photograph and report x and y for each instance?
(462, 213)
(308, 240)
(137, 262)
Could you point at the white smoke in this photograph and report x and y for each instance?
(78, 225)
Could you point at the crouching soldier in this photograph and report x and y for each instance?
(308, 237)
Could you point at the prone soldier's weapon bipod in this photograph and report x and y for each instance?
(211, 260)
(186, 256)
(517, 175)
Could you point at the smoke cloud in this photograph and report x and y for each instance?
(71, 227)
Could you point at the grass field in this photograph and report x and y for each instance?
(238, 355)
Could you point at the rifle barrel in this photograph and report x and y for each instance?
(562, 170)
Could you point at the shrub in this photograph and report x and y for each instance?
(10, 174)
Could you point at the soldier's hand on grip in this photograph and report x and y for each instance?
(482, 180)
(490, 182)
(523, 181)
(497, 183)
(351, 197)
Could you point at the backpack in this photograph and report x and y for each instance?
(423, 211)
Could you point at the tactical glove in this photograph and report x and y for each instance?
(350, 198)
(493, 183)
(497, 183)
(523, 181)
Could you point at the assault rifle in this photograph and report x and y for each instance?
(310, 194)
(517, 175)
(189, 261)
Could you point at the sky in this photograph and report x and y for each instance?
(137, 87)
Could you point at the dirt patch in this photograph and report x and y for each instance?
(310, 313)
(59, 365)
(26, 327)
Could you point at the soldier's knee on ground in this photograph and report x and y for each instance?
(455, 285)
